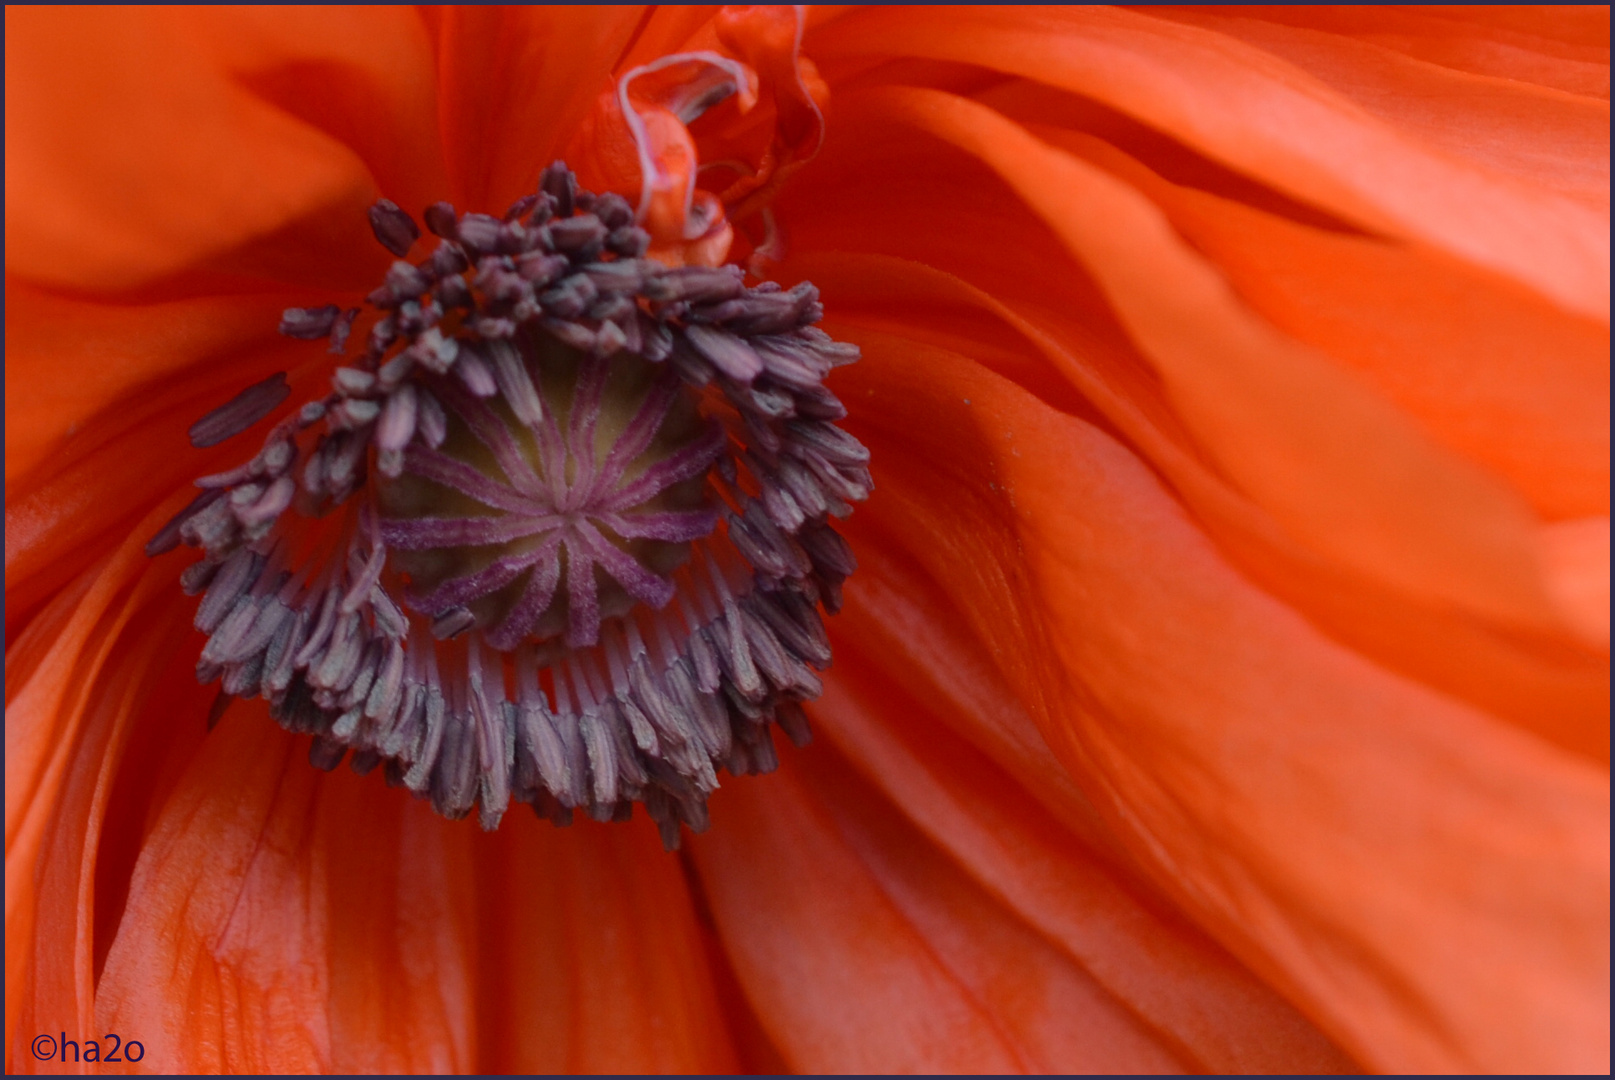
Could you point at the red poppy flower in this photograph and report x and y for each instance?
(1224, 684)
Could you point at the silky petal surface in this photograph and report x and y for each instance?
(145, 142)
(1209, 726)
(1246, 107)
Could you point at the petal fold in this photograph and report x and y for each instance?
(1427, 884)
(1260, 115)
(145, 142)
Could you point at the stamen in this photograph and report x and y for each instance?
(242, 411)
(564, 536)
(394, 229)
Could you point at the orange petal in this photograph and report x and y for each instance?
(1535, 681)
(1426, 884)
(515, 83)
(51, 960)
(1341, 471)
(143, 142)
(301, 924)
(1489, 369)
(54, 683)
(1576, 554)
(769, 39)
(670, 28)
(1544, 138)
(865, 950)
(1000, 289)
(593, 962)
(908, 689)
(1563, 48)
(324, 922)
(1246, 108)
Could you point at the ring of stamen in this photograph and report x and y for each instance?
(565, 535)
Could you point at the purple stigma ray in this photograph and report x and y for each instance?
(586, 399)
(422, 534)
(439, 468)
(461, 591)
(637, 436)
(685, 464)
(535, 600)
(493, 434)
(672, 526)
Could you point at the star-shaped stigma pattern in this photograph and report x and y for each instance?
(570, 505)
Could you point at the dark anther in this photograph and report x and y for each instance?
(618, 277)
(521, 207)
(351, 382)
(494, 327)
(167, 538)
(543, 210)
(405, 280)
(559, 183)
(382, 335)
(447, 259)
(727, 352)
(340, 331)
(697, 284)
(395, 229)
(541, 269)
(479, 232)
(413, 316)
(569, 299)
(575, 235)
(240, 412)
(309, 324)
(382, 297)
(441, 220)
(452, 292)
(513, 238)
(613, 211)
(629, 241)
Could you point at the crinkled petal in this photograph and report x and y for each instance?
(1011, 817)
(594, 962)
(989, 291)
(1337, 467)
(323, 922)
(1544, 138)
(865, 949)
(69, 681)
(303, 924)
(1489, 369)
(1428, 885)
(514, 84)
(1261, 115)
